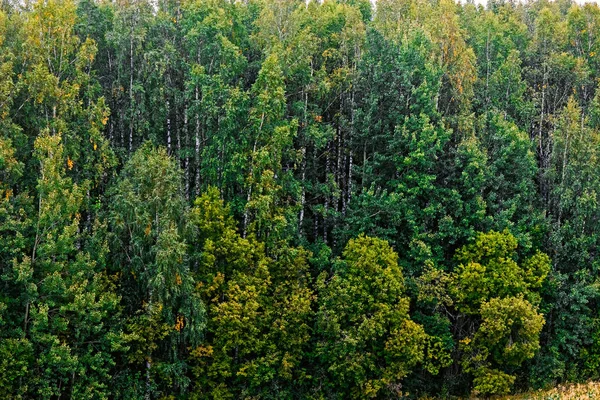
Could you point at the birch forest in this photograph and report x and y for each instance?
(290, 199)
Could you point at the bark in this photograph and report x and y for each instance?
(197, 149)
(327, 196)
(303, 166)
(541, 141)
(169, 151)
(303, 193)
(186, 163)
(131, 90)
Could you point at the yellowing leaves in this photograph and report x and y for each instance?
(179, 323)
(327, 53)
(202, 351)
(70, 163)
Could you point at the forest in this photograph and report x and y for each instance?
(290, 199)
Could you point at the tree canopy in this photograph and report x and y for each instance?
(285, 199)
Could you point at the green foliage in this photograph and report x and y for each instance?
(509, 329)
(369, 343)
(259, 309)
(147, 213)
(501, 298)
(17, 358)
(488, 269)
(462, 139)
(508, 336)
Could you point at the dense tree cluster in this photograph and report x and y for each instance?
(282, 199)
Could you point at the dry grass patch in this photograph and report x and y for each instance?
(582, 391)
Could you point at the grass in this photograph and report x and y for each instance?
(590, 390)
(574, 391)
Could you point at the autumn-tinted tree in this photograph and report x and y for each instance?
(147, 215)
(367, 341)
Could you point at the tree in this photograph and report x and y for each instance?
(367, 341)
(64, 311)
(128, 127)
(573, 188)
(147, 215)
(497, 300)
(401, 138)
(271, 139)
(259, 310)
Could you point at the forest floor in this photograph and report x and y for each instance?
(590, 390)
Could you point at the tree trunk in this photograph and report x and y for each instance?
(326, 205)
(131, 102)
(197, 150)
(186, 164)
(168, 128)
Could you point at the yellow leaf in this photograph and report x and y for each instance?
(179, 323)
(70, 163)
(202, 351)
(148, 230)
(95, 146)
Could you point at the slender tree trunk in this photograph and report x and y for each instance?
(222, 149)
(563, 177)
(303, 193)
(327, 197)
(187, 156)
(364, 169)
(249, 194)
(487, 76)
(303, 165)
(197, 149)
(131, 104)
(542, 171)
(26, 319)
(315, 216)
(178, 138)
(338, 179)
(350, 151)
(148, 395)
(169, 128)
(338, 165)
